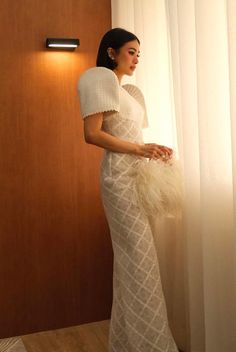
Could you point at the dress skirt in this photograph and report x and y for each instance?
(139, 321)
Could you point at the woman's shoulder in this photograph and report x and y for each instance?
(138, 95)
(136, 92)
(133, 89)
(99, 90)
(98, 74)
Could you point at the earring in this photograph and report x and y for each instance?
(111, 57)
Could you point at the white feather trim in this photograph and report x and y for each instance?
(159, 186)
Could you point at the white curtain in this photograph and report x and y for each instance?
(187, 72)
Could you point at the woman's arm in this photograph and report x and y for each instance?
(94, 135)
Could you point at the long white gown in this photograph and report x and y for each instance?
(139, 321)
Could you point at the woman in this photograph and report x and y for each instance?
(114, 116)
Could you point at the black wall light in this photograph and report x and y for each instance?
(62, 43)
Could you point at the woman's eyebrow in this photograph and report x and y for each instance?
(134, 49)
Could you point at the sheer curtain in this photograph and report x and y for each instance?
(187, 72)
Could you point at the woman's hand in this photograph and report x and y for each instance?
(155, 151)
(94, 134)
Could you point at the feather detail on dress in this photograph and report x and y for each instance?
(159, 186)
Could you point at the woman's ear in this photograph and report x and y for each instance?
(110, 53)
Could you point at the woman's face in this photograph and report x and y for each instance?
(127, 58)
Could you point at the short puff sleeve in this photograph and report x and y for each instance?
(98, 89)
(138, 95)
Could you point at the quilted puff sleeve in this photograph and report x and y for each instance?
(138, 95)
(98, 89)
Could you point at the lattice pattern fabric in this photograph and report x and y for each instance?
(139, 321)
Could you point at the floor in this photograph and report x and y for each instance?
(92, 337)
(82, 338)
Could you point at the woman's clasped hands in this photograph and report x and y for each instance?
(155, 151)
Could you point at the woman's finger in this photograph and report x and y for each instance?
(166, 149)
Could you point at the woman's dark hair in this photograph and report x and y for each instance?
(114, 38)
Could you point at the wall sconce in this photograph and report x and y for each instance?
(62, 43)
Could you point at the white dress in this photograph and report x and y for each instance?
(139, 321)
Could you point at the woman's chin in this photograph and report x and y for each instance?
(130, 72)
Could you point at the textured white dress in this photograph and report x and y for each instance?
(139, 321)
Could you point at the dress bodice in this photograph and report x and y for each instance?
(124, 116)
(127, 123)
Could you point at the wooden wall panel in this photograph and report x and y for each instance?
(55, 247)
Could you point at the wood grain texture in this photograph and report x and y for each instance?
(55, 248)
(92, 337)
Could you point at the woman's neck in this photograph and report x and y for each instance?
(119, 75)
